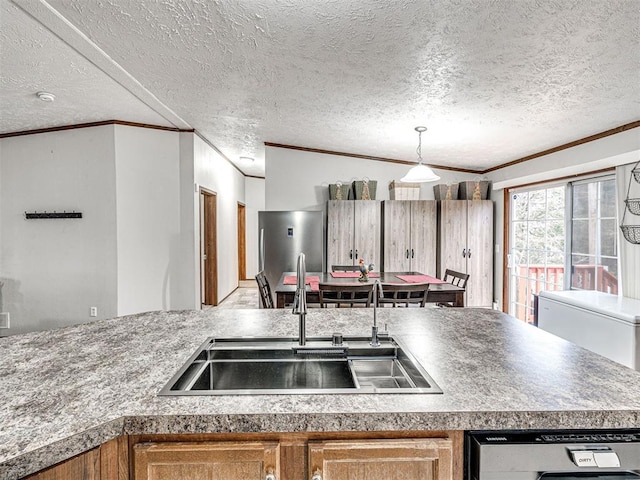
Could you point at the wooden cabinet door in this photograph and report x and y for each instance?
(206, 460)
(453, 236)
(366, 231)
(397, 235)
(340, 249)
(410, 459)
(480, 253)
(423, 236)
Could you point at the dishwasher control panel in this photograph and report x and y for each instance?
(553, 454)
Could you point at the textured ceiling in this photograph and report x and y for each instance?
(493, 80)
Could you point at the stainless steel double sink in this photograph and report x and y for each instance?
(277, 365)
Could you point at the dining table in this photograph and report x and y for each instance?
(439, 290)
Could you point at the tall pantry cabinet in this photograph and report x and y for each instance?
(353, 232)
(409, 243)
(465, 244)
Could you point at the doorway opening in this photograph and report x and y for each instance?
(242, 243)
(208, 248)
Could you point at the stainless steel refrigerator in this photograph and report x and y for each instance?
(283, 235)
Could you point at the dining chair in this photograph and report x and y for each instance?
(345, 268)
(458, 279)
(403, 294)
(266, 300)
(351, 295)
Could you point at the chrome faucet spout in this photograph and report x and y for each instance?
(300, 299)
(377, 292)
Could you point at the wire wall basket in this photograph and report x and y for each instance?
(632, 232)
(633, 205)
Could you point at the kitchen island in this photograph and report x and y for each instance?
(68, 390)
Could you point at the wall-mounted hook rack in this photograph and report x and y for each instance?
(45, 214)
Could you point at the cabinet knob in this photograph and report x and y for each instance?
(317, 475)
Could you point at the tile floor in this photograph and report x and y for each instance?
(245, 296)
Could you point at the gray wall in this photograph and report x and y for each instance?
(137, 246)
(54, 270)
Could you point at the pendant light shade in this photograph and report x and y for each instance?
(420, 173)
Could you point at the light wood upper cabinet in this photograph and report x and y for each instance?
(410, 228)
(207, 461)
(408, 459)
(353, 232)
(465, 244)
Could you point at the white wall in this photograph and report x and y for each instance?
(630, 268)
(611, 151)
(298, 180)
(214, 173)
(54, 270)
(254, 202)
(147, 165)
(606, 152)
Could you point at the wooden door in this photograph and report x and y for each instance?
(397, 235)
(480, 253)
(366, 231)
(452, 241)
(242, 243)
(340, 249)
(423, 236)
(410, 459)
(209, 248)
(206, 460)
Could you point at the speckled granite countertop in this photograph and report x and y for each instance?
(65, 391)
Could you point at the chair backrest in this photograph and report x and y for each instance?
(345, 268)
(347, 294)
(456, 278)
(266, 300)
(398, 294)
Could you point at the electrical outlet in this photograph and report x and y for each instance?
(93, 311)
(4, 320)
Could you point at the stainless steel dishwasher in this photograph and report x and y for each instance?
(553, 455)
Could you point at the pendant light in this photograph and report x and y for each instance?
(420, 173)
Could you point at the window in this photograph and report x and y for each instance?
(549, 237)
(594, 236)
(537, 240)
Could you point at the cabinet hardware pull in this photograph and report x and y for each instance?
(317, 475)
(469, 253)
(464, 253)
(407, 254)
(356, 253)
(412, 253)
(351, 254)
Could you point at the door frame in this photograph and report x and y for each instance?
(208, 237)
(242, 242)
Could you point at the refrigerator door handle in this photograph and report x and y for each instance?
(261, 251)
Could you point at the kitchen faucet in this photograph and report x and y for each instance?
(377, 290)
(300, 299)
